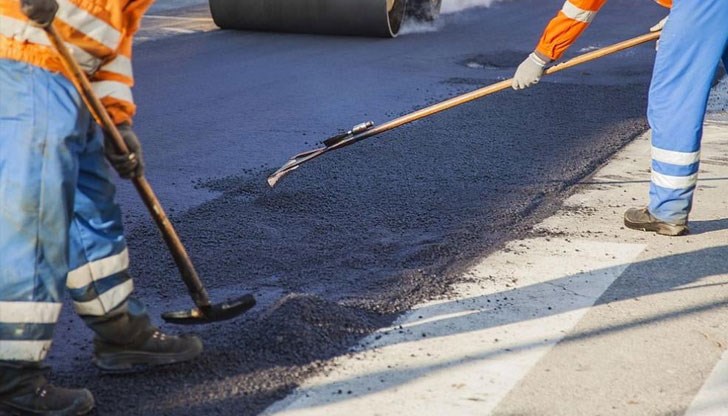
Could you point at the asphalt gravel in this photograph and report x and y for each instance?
(344, 244)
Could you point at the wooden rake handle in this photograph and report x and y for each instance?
(505, 84)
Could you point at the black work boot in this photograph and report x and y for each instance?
(28, 393)
(641, 219)
(49, 400)
(151, 348)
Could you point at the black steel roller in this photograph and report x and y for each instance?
(380, 18)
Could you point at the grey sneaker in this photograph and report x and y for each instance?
(641, 219)
(153, 349)
(48, 400)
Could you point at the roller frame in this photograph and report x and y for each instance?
(424, 10)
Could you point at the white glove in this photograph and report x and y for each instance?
(529, 72)
(659, 25)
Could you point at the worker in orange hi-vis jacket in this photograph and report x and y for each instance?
(693, 41)
(60, 228)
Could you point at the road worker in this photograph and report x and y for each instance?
(59, 225)
(694, 39)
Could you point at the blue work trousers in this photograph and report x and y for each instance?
(60, 228)
(692, 44)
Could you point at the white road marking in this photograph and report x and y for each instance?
(712, 399)
(487, 349)
(461, 356)
(157, 27)
(189, 19)
(180, 30)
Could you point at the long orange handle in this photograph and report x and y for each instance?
(304, 157)
(178, 251)
(503, 85)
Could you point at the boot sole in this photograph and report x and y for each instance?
(659, 228)
(15, 411)
(133, 361)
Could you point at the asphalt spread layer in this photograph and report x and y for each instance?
(345, 243)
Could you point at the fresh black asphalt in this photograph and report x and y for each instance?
(347, 242)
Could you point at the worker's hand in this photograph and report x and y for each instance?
(660, 25)
(529, 72)
(40, 12)
(129, 165)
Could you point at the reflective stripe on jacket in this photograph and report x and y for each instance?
(99, 33)
(569, 23)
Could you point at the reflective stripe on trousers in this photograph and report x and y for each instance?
(58, 218)
(691, 46)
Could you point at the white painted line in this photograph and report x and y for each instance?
(461, 356)
(191, 19)
(712, 399)
(179, 30)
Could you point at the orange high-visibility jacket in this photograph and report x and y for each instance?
(569, 23)
(99, 34)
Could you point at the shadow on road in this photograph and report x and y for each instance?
(639, 280)
(342, 246)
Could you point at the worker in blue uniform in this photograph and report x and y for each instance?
(60, 229)
(692, 43)
(694, 40)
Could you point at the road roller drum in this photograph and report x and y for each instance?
(378, 18)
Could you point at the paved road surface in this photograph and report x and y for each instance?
(344, 245)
